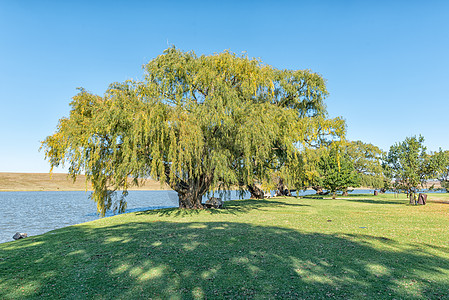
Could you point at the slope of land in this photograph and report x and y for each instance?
(56, 182)
(361, 247)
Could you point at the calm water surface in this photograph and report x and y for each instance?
(39, 212)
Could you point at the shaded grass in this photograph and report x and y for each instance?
(279, 248)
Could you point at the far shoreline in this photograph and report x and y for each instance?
(60, 182)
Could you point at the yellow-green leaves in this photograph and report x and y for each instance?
(195, 122)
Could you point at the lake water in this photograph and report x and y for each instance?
(39, 212)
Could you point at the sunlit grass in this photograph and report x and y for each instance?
(353, 248)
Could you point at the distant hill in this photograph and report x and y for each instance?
(57, 182)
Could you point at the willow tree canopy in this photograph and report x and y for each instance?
(195, 122)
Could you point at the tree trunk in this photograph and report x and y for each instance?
(255, 191)
(412, 199)
(334, 195)
(345, 193)
(190, 199)
(191, 191)
(318, 189)
(282, 188)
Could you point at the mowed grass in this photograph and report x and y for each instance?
(354, 248)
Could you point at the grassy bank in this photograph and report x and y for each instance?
(353, 248)
(56, 182)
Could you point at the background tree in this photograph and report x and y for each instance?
(367, 161)
(299, 169)
(410, 165)
(305, 169)
(338, 172)
(196, 123)
(441, 161)
(304, 93)
(444, 172)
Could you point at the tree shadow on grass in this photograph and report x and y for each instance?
(229, 207)
(372, 201)
(217, 260)
(316, 196)
(438, 201)
(361, 200)
(439, 248)
(251, 204)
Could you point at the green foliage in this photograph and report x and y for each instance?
(366, 159)
(196, 123)
(409, 164)
(305, 169)
(338, 171)
(441, 162)
(313, 165)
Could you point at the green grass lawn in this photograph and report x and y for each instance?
(353, 248)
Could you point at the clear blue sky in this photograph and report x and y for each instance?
(386, 62)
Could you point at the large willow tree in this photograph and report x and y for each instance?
(196, 123)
